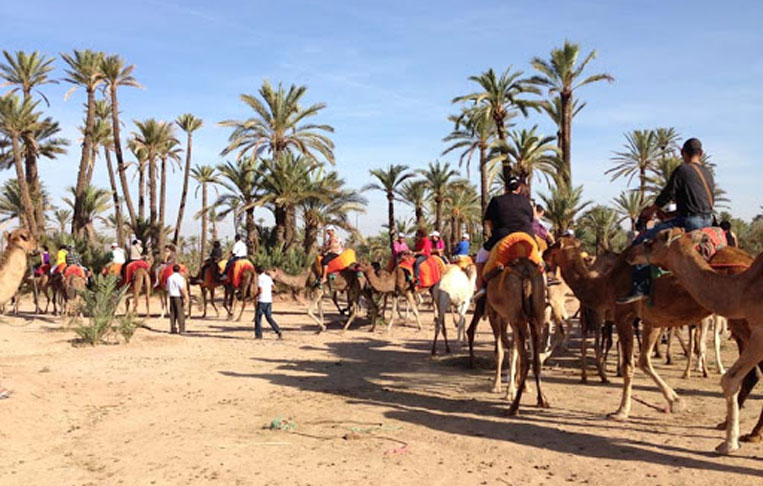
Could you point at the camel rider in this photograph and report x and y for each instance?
(238, 252)
(538, 227)
(731, 237)
(136, 253)
(462, 248)
(170, 256)
(399, 248)
(60, 260)
(332, 248)
(508, 213)
(438, 245)
(44, 260)
(117, 255)
(691, 186)
(421, 251)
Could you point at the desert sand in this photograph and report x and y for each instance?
(353, 408)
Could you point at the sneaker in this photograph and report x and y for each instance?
(4, 393)
(258, 337)
(629, 299)
(280, 336)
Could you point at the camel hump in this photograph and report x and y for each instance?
(511, 248)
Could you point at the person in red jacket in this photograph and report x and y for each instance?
(422, 251)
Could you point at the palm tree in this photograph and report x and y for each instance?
(18, 121)
(95, 202)
(463, 208)
(414, 193)
(638, 159)
(628, 205)
(10, 201)
(278, 125)
(473, 131)
(84, 70)
(660, 174)
(26, 72)
(562, 74)
(666, 140)
(102, 138)
(116, 74)
(526, 153)
(204, 175)
(600, 220)
(563, 205)
(437, 179)
(389, 181)
(242, 181)
(189, 124)
(553, 109)
(499, 97)
(168, 152)
(63, 217)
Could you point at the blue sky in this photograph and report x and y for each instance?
(388, 71)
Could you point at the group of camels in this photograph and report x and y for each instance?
(518, 297)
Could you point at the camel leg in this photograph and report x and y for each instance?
(584, 327)
(310, 311)
(395, 303)
(537, 340)
(412, 303)
(731, 381)
(353, 308)
(243, 306)
(439, 315)
(512, 378)
(689, 357)
(718, 325)
(702, 346)
(495, 324)
(212, 302)
(479, 311)
(670, 332)
(651, 335)
(625, 335)
(203, 303)
(520, 340)
(606, 346)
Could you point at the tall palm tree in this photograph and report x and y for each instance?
(553, 108)
(638, 158)
(168, 152)
(473, 131)
(84, 70)
(141, 165)
(562, 75)
(389, 181)
(414, 193)
(601, 221)
(204, 175)
(116, 74)
(278, 125)
(437, 178)
(189, 124)
(102, 137)
(25, 72)
(463, 208)
(95, 202)
(563, 205)
(242, 180)
(19, 120)
(628, 205)
(499, 97)
(11, 205)
(666, 140)
(527, 152)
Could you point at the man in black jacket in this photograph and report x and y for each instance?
(691, 186)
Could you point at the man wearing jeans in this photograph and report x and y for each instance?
(176, 289)
(265, 305)
(691, 186)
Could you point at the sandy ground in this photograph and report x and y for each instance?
(195, 409)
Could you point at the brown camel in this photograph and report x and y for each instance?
(13, 262)
(247, 290)
(208, 282)
(516, 296)
(140, 283)
(346, 280)
(395, 283)
(737, 297)
(671, 306)
(74, 285)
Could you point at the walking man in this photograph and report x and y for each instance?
(265, 305)
(176, 289)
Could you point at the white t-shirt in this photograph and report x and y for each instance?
(175, 285)
(265, 283)
(118, 255)
(239, 249)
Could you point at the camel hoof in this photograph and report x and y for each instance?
(726, 448)
(447, 350)
(677, 406)
(618, 416)
(752, 438)
(543, 403)
(721, 426)
(605, 380)
(496, 389)
(513, 411)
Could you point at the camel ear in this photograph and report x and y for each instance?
(673, 235)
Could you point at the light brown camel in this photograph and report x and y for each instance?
(74, 285)
(346, 280)
(671, 306)
(516, 296)
(737, 297)
(208, 282)
(13, 262)
(396, 284)
(140, 283)
(247, 290)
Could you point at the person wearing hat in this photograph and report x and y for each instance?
(399, 248)
(691, 187)
(462, 248)
(238, 252)
(332, 248)
(117, 255)
(508, 213)
(60, 259)
(421, 251)
(438, 244)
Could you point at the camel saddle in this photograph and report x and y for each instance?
(708, 241)
(44, 268)
(510, 249)
(132, 267)
(343, 261)
(237, 270)
(75, 270)
(165, 270)
(431, 270)
(112, 269)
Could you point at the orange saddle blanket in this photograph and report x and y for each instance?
(74, 270)
(430, 270)
(112, 269)
(512, 248)
(237, 270)
(344, 260)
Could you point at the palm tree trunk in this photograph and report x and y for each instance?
(120, 156)
(311, 237)
(484, 189)
(203, 221)
(391, 221)
(153, 217)
(252, 241)
(419, 211)
(142, 191)
(213, 221)
(91, 165)
(184, 194)
(279, 214)
(642, 185)
(162, 202)
(26, 200)
(566, 130)
(78, 223)
(32, 176)
(438, 213)
(290, 226)
(115, 197)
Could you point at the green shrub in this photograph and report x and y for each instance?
(100, 304)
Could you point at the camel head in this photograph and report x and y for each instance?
(555, 253)
(654, 251)
(22, 238)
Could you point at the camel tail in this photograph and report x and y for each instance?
(527, 295)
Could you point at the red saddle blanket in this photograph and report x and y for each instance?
(237, 270)
(430, 270)
(44, 268)
(74, 270)
(708, 241)
(132, 267)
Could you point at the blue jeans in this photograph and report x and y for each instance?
(417, 266)
(266, 309)
(640, 274)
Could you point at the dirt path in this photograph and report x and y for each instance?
(177, 410)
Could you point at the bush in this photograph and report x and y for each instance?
(292, 262)
(100, 305)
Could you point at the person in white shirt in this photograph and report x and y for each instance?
(265, 305)
(238, 252)
(176, 289)
(118, 255)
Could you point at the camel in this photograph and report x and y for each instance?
(395, 283)
(516, 296)
(346, 280)
(74, 285)
(736, 296)
(455, 289)
(671, 306)
(140, 282)
(208, 283)
(13, 262)
(247, 290)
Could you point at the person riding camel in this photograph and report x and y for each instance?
(238, 252)
(169, 257)
(462, 248)
(508, 213)
(332, 248)
(438, 244)
(399, 248)
(691, 186)
(135, 253)
(540, 230)
(117, 255)
(731, 237)
(60, 260)
(421, 251)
